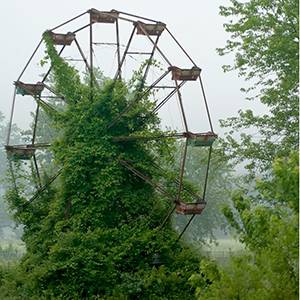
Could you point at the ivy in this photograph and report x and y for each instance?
(95, 233)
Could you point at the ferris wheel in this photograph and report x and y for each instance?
(118, 43)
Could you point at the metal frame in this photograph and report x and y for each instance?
(114, 17)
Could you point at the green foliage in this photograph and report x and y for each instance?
(5, 218)
(273, 202)
(264, 38)
(267, 222)
(284, 186)
(95, 233)
(246, 277)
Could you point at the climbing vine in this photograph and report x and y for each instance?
(96, 232)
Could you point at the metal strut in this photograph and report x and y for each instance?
(129, 106)
(206, 105)
(155, 185)
(203, 197)
(184, 51)
(50, 69)
(145, 178)
(42, 189)
(70, 20)
(155, 46)
(91, 57)
(168, 97)
(159, 188)
(120, 64)
(141, 29)
(33, 142)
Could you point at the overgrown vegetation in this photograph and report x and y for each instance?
(267, 223)
(264, 38)
(95, 233)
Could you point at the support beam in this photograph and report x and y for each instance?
(158, 49)
(134, 101)
(181, 107)
(184, 51)
(203, 197)
(168, 97)
(182, 168)
(185, 227)
(68, 21)
(13, 177)
(138, 53)
(119, 71)
(30, 59)
(55, 93)
(11, 116)
(31, 146)
(50, 69)
(149, 62)
(37, 171)
(206, 105)
(118, 44)
(145, 178)
(35, 123)
(138, 17)
(41, 190)
(207, 172)
(86, 63)
(81, 28)
(91, 56)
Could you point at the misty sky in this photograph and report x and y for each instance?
(196, 24)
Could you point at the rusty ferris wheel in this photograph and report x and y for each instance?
(167, 83)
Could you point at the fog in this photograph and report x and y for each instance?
(196, 25)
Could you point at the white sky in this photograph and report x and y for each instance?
(196, 24)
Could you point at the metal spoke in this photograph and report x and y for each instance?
(50, 69)
(182, 167)
(118, 73)
(138, 17)
(206, 105)
(145, 178)
(204, 194)
(134, 101)
(118, 44)
(37, 171)
(91, 57)
(35, 123)
(174, 188)
(11, 116)
(181, 106)
(30, 59)
(154, 44)
(168, 97)
(50, 89)
(176, 41)
(70, 20)
(42, 189)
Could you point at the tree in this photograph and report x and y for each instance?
(264, 39)
(5, 218)
(96, 232)
(268, 225)
(265, 211)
